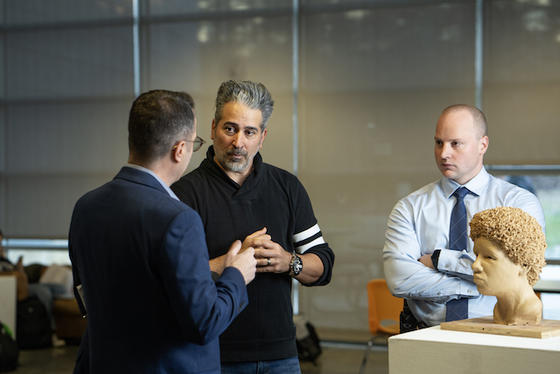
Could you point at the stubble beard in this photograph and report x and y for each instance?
(235, 166)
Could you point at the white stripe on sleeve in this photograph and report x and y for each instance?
(305, 247)
(306, 234)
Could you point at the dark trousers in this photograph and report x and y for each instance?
(408, 322)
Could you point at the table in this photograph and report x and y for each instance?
(433, 350)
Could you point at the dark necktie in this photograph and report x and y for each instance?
(458, 308)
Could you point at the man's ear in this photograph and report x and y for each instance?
(178, 151)
(483, 144)
(213, 130)
(265, 131)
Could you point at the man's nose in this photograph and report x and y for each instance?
(445, 150)
(238, 140)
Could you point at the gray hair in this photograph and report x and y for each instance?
(478, 116)
(254, 95)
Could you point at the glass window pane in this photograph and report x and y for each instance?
(40, 205)
(55, 152)
(73, 62)
(373, 82)
(175, 7)
(67, 136)
(522, 80)
(547, 189)
(40, 12)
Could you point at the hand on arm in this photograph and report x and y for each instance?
(409, 269)
(426, 260)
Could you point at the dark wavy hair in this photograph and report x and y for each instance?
(157, 120)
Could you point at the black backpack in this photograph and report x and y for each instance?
(33, 324)
(307, 340)
(9, 351)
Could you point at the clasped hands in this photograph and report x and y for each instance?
(270, 256)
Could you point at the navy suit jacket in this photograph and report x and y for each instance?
(152, 306)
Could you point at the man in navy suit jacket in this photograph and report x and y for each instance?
(141, 259)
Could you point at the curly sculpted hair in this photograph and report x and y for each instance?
(517, 233)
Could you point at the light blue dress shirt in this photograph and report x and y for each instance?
(419, 224)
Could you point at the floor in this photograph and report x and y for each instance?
(336, 358)
(346, 359)
(59, 360)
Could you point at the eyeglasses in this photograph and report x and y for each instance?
(197, 143)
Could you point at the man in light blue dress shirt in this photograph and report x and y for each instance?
(419, 266)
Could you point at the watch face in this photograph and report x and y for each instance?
(297, 265)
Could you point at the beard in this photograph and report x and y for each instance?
(231, 164)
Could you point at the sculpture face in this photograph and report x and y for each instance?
(493, 272)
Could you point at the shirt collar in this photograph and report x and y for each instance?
(163, 184)
(477, 185)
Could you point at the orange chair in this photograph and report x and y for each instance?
(384, 311)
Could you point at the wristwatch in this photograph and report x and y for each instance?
(296, 265)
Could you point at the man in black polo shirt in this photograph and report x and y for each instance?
(239, 196)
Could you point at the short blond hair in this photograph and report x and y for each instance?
(517, 233)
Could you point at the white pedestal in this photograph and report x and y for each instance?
(8, 292)
(434, 351)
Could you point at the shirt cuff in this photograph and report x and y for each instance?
(435, 258)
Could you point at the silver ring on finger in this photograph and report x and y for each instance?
(268, 261)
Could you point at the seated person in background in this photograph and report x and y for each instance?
(54, 281)
(509, 245)
(6, 266)
(58, 278)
